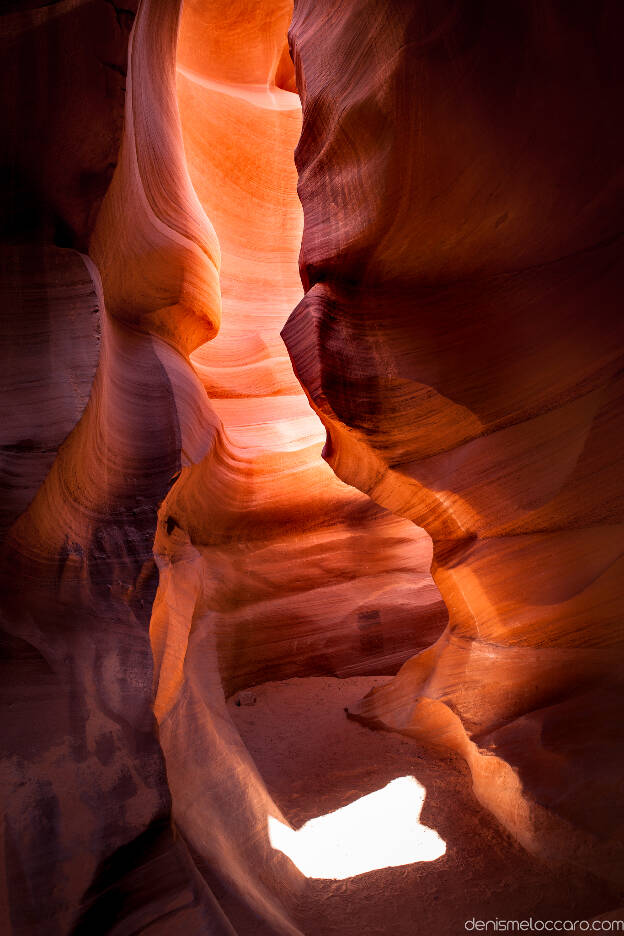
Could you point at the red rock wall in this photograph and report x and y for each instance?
(305, 575)
(110, 827)
(86, 804)
(269, 566)
(88, 841)
(461, 339)
(163, 501)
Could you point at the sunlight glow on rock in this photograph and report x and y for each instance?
(380, 830)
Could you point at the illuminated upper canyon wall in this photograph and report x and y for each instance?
(305, 574)
(461, 339)
(269, 566)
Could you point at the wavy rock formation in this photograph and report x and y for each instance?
(56, 166)
(268, 565)
(49, 343)
(461, 339)
(306, 574)
(93, 821)
(170, 533)
(88, 841)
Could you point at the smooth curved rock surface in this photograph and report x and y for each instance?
(88, 841)
(306, 575)
(49, 343)
(171, 830)
(171, 534)
(268, 565)
(461, 339)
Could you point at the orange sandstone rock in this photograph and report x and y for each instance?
(461, 339)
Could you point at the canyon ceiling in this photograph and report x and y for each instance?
(352, 413)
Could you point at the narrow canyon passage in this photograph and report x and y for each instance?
(269, 566)
(311, 526)
(302, 563)
(320, 580)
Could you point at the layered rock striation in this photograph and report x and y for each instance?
(306, 575)
(110, 282)
(461, 339)
(170, 533)
(87, 810)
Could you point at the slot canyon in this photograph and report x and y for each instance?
(312, 519)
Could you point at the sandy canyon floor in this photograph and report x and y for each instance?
(314, 761)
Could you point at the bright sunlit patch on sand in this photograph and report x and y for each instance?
(381, 830)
